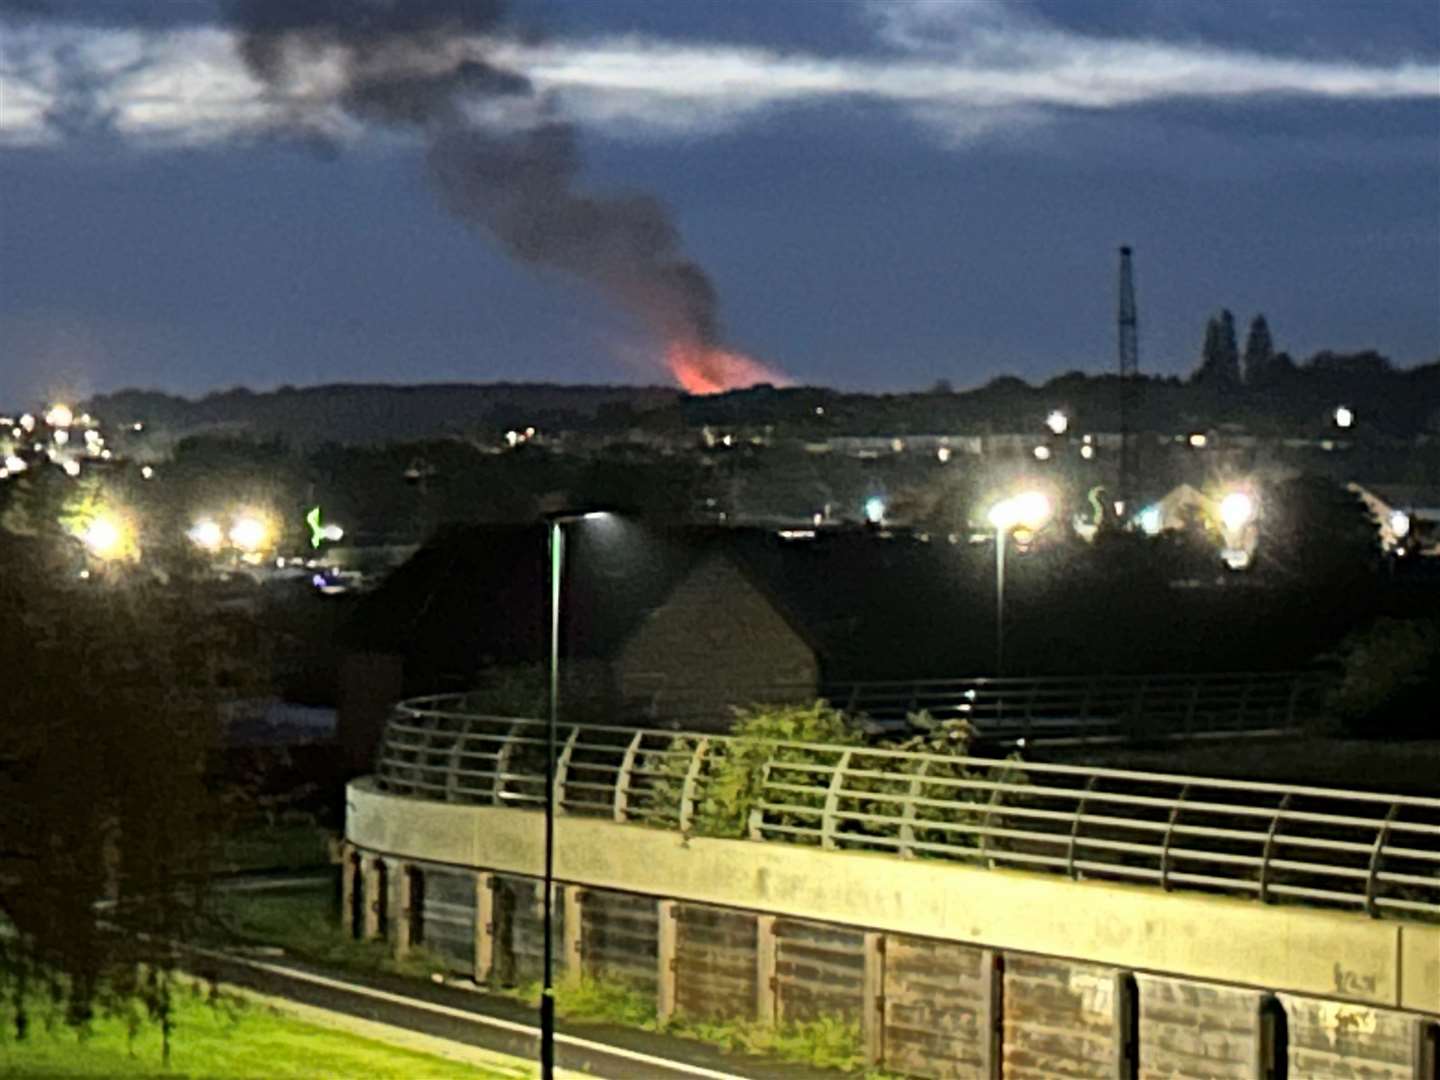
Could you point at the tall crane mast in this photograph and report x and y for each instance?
(1129, 388)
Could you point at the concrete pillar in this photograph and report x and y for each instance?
(571, 957)
(765, 954)
(872, 1000)
(484, 927)
(401, 899)
(665, 959)
(348, 872)
(370, 873)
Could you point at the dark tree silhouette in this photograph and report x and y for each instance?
(1220, 359)
(1260, 369)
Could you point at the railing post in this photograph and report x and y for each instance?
(1075, 827)
(1191, 707)
(562, 767)
(692, 781)
(907, 812)
(622, 778)
(502, 763)
(832, 801)
(572, 948)
(1377, 855)
(1269, 848)
(1170, 835)
(452, 772)
(755, 827)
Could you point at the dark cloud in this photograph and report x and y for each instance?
(402, 66)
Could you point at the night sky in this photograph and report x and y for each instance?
(883, 194)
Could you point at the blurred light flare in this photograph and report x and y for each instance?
(249, 534)
(1057, 422)
(1029, 509)
(1237, 509)
(1344, 416)
(875, 510)
(59, 416)
(207, 534)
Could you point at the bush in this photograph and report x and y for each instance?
(1391, 677)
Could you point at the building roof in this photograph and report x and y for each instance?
(870, 606)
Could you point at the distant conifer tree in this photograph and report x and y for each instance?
(1259, 353)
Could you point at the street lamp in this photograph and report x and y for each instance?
(1029, 510)
(547, 991)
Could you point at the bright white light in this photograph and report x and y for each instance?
(529, 433)
(59, 416)
(92, 437)
(1400, 524)
(1042, 453)
(62, 437)
(512, 438)
(206, 534)
(332, 533)
(1344, 416)
(105, 455)
(4, 474)
(137, 426)
(1087, 451)
(15, 465)
(146, 472)
(1198, 440)
(1151, 520)
(249, 534)
(942, 455)
(1029, 509)
(71, 467)
(1057, 422)
(27, 422)
(875, 509)
(104, 536)
(1236, 510)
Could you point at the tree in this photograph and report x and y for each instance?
(109, 715)
(1259, 353)
(1220, 360)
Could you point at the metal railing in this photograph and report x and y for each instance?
(1097, 708)
(1362, 851)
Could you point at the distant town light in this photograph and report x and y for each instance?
(819, 410)
(1237, 509)
(1029, 510)
(1199, 440)
(1057, 422)
(105, 455)
(137, 426)
(106, 537)
(875, 510)
(27, 422)
(249, 534)
(1042, 453)
(1400, 524)
(512, 438)
(1344, 416)
(71, 467)
(942, 455)
(1087, 451)
(146, 472)
(1151, 520)
(14, 464)
(206, 534)
(59, 416)
(62, 437)
(332, 533)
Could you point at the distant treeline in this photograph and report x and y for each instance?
(1280, 398)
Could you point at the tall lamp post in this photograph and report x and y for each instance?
(547, 994)
(1030, 510)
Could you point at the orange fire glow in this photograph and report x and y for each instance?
(709, 369)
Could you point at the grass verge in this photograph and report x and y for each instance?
(224, 1039)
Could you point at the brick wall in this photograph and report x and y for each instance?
(717, 641)
(1332, 1040)
(1061, 1019)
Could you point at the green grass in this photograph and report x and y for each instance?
(227, 1041)
(290, 846)
(303, 923)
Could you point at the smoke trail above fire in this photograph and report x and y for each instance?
(501, 158)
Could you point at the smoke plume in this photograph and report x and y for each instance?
(500, 157)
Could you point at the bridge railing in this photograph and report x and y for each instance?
(1363, 851)
(1097, 707)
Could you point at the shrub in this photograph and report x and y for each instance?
(1391, 676)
